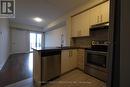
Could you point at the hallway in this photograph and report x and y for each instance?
(18, 67)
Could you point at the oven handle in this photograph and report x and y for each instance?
(96, 52)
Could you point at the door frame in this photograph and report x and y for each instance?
(114, 45)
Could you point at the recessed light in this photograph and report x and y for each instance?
(37, 19)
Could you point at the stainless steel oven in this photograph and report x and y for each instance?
(97, 58)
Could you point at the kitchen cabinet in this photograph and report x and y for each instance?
(80, 58)
(68, 60)
(73, 59)
(65, 61)
(95, 15)
(105, 11)
(80, 25)
(99, 14)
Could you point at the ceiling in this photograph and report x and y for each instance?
(48, 10)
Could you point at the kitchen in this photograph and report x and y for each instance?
(59, 45)
(83, 47)
(79, 32)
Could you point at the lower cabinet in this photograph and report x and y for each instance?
(68, 60)
(80, 58)
(71, 59)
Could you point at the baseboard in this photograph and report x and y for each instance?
(0, 67)
(20, 53)
(68, 71)
(24, 83)
(3, 63)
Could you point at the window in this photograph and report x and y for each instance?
(35, 41)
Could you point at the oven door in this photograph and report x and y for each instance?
(95, 64)
(97, 58)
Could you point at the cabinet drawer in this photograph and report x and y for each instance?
(96, 73)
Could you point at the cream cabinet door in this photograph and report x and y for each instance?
(65, 63)
(80, 59)
(95, 15)
(99, 14)
(76, 22)
(85, 25)
(80, 25)
(105, 12)
(73, 59)
(68, 60)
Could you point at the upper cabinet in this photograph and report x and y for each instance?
(99, 14)
(105, 11)
(95, 15)
(81, 23)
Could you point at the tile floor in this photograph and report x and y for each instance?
(75, 78)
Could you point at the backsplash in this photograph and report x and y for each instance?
(94, 35)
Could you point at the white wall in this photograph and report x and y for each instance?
(53, 38)
(20, 40)
(26, 27)
(4, 41)
(67, 18)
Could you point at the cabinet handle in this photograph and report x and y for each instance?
(97, 19)
(101, 18)
(70, 54)
(79, 33)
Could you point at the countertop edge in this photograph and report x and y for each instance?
(62, 48)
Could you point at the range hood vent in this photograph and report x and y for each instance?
(100, 26)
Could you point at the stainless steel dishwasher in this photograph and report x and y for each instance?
(51, 65)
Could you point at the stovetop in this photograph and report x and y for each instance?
(103, 48)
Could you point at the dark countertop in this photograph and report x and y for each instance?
(56, 50)
(60, 48)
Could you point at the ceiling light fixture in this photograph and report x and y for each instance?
(37, 19)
